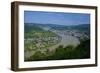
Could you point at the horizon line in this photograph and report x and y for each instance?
(57, 24)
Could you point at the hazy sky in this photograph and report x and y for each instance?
(56, 18)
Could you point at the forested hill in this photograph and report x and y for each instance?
(38, 26)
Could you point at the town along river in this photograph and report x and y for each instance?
(66, 40)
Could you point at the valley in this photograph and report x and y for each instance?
(42, 40)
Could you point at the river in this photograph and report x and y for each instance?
(65, 41)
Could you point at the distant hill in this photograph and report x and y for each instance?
(38, 26)
(29, 27)
(82, 27)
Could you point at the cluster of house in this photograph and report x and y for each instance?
(76, 33)
(42, 42)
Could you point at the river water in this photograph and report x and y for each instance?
(66, 40)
